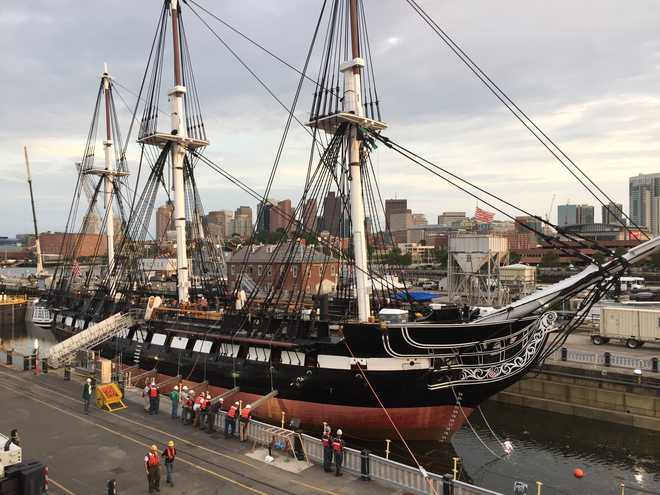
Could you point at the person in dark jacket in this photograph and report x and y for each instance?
(338, 450)
(87, 394)
(326, 440)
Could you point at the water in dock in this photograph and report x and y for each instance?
(546, 446)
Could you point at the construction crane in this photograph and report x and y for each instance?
(552, 203)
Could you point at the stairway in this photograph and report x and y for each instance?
(60, 354)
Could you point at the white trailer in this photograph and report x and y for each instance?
(633, 326)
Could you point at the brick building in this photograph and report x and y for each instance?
(85, 245)
(302, 269)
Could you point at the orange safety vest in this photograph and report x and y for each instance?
(170, 453)
(152, 459)
(232, 412)
(337, 445)
(153, 392)
(245, 413)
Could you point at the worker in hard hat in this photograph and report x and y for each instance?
(174, 399)
(326, 440)
(169, 454)
(87, 394)
(230, 420)
(214, 410)
(246, 416)
(183, 399)
(152, 468)
(338, 451)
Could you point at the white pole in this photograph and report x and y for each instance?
(178, 155)
(37, 244)
(353, 104)
(107, 177)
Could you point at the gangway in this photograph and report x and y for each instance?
(60, 354)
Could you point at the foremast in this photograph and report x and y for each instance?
(108, 170)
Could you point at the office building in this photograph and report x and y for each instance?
(612, 214)
(644, 195)
(575, 215)
(394, 207)
(164, 220)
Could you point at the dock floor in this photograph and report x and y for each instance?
(83, 451)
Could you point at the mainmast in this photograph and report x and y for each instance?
(109, 172)
(37, 244)
(353, 104)
(179, 133)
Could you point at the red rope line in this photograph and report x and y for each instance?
(403, 440)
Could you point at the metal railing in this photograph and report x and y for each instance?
(603, 359)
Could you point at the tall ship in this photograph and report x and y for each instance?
(315, 318)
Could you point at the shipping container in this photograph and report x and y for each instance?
(632, 326)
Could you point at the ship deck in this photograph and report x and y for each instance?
(84, 452)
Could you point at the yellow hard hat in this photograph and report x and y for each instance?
(170, 443)
(154, 448)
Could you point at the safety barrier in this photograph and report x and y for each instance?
(602, 359)
(384, 470)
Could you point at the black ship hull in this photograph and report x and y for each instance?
(356, 381)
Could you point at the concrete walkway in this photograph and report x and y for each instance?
(83, 452)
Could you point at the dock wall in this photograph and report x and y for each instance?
(580, 392)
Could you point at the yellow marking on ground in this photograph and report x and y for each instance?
(178, 438)
(51, 481)
(131, 439)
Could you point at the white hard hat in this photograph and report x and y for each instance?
(185, 387)
(89, 380)
(176, 387)
(221, 399)
(208, 396)
(236, 403)
(192, 391)
(339, 432)
(249, 406)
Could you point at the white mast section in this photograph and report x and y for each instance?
(178, 154)
(353, 104)
(37, 244)
(109, 171)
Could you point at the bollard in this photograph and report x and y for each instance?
(608, 359)
(623, 489)
(564, 354)
(67, 373)
(10, 358)
(112, 487)
(365, 468)
(44, 365)
(26, 363)
(387, 448)
(538, 487)
(447, 485)
(455, 469)
(283, 415)
(654, 364)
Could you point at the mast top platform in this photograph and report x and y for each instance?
(162, 138)
(330, 123)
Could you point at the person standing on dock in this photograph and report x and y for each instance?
(188, 408)
(13, 439)
(183, 398)
(152, 467)
(153, 397)
(230, 420)
(214, 410)
(147, 400)
(246, 416)
(197, 409)
(87, 394)
(326, 440)
(169, 454)
(338, 450)
(174, 398)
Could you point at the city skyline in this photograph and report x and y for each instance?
(601, 105)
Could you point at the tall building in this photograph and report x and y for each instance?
(449, 218)
(220, 223)
(280, 217)
(310, 211)
(242, 224)
(164, 220)
(612, 214)
(575, 215)
(393, 207)
(419, 219)
(332, 213)
(644, 192)
(263, 215)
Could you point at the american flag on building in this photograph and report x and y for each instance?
(483, 215)
(75, 271)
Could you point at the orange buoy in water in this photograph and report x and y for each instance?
(578, 473)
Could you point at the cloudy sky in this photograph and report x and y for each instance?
(587, 71)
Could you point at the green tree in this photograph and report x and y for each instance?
(549, 259)
(440, 256)
(515, 257)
